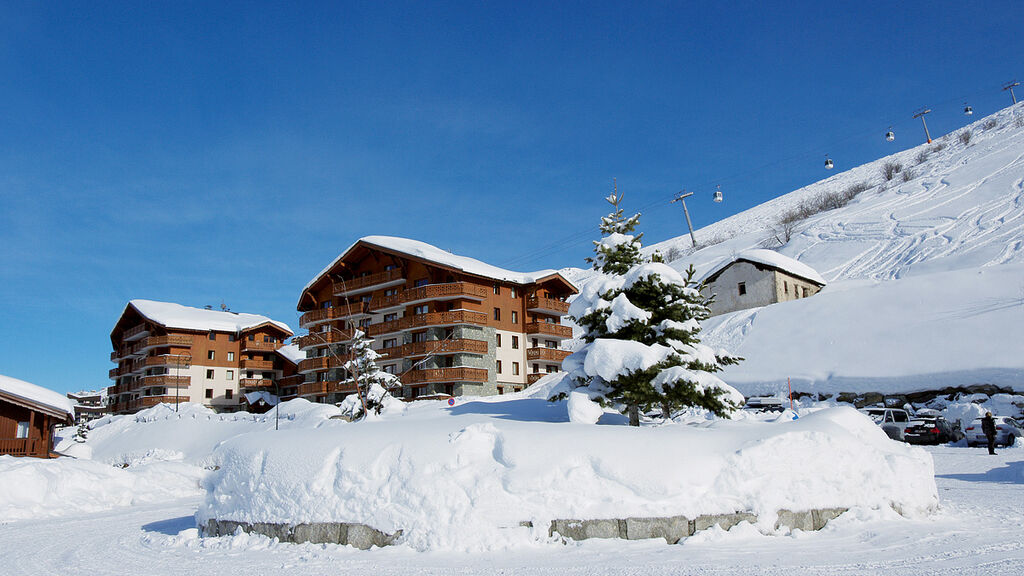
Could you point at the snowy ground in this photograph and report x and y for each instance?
(976, 531)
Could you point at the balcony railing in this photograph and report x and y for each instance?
(321, 363)
(445, 375)
(531, 379)
(23, 447)
(165, 380)
(362, 282)
(113, 373)
(547, 305)
(328, 387)
(547, 354)
(431, 292)
(173, 360)
(321, 315)
(439, 347)
(549, 329)
(134, 332)
(293, 380)
(259, 345)
(431, 319)
(150, 401)
(314, 339)
(256, 383)
(179, 340)
(254, 364)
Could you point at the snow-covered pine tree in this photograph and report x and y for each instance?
(373, 383)
(642, 323)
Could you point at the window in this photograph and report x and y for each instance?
(390, 343)
(248, 373)
(209, 392)
(391, 292)
(390, 369)
(209, 374)
(497, 290)
(497, 340)
(501, 390)
(515, 368)
(364, 322)
(512, 291)
(231, 356)
(552, 369)
(209, 354)
(805, 292)
(231, 375)
(390, 267)
(421, 282)
(252, 337)
(536, 368)
(366, 298)
(419, 337)
(325, 304)
(550, 344)
(449, 389)
(742, 287)
(785, 287)
(213, 337)
(390, 317)
(533, 343)
(232, 337)
(515, 339)
(497, 366)
(228, 394)
(421, 309)
(414, 392)
(515, 317)
(268, 339)
(22, 430)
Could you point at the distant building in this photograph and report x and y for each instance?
(448, 324)
(759, 277)
(28, 415)
(169, 353)
(89, 404)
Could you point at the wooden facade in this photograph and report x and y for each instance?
(159, 363)
(444, 329)
(26, 427)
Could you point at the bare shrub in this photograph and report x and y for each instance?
(674, 253)
(908, 175)
(890, 169)
(989, 124)
(922, 156)
(938, 147)
(965, 137)
(1020, 122)
(852, 190)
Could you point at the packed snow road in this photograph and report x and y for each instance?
(978, 530)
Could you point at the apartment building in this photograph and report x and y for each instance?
(170, 353)
(447, 324)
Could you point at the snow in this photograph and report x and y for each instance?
(769, 258)
(425, 251)
(610, 359)
(171, 315)
(36, 394)
(292, 353)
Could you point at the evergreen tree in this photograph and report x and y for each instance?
(373, 384)
(642, 321)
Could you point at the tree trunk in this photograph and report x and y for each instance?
(666, 411)
(634, 415)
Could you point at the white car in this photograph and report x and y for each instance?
(1007, 432)
(892, 420)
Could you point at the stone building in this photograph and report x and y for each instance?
(758, 277)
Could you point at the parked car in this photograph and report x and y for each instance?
(1007, 432)
(930, 429)
(764, 404)
(892, 420)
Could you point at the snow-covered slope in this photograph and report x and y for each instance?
(951, 220)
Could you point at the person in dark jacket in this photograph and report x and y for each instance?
(988, 426)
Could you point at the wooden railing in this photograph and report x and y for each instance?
(256, 383)
(430, 292)
(166, 340)
(436, 347)
(532, 378)
(322, 338)
(445, 375)
(547, 354)
(321, 363)
(293, 380)
(174, 360)
(549, 329)
(547, 305)
(23, 447)
(150, 401)
(133, 331)
(259, 345)
(113, 373)
(367, 281)
(165, 380)
(328, 387)
(320, 315)
(431, 319)
(254, 364)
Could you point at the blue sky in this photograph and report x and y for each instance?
(208, 152)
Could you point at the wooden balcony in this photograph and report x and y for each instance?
(321, 363)
(547, 306)
(364, 283)
(135, 332)
(24, 447)
(257, 383)
(328, 387)
(323, 315)
(172, 360)
(547, 354)
(165, 380)
(549, 329)
(150, 401)
(259, 346)
(254, 364)
(113, 373)
(179, 340)
(448, 291)
(293, 380)
(314, 339)
(431, 319)
(531, 379)
(439, 347)
(445, 375)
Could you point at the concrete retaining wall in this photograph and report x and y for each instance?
(671, 528)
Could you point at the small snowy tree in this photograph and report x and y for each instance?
(373, 384)
(641, 324)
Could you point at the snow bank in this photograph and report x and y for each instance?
(466, 479)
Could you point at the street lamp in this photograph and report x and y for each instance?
(683, 195)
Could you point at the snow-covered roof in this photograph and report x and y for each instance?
(771, 259)
(36, 394)
(292, 353)
(418, 249)
(254, 397)
(171, 315)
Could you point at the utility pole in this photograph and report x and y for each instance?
(682, 198)
(920, 114)
(1009, 86)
